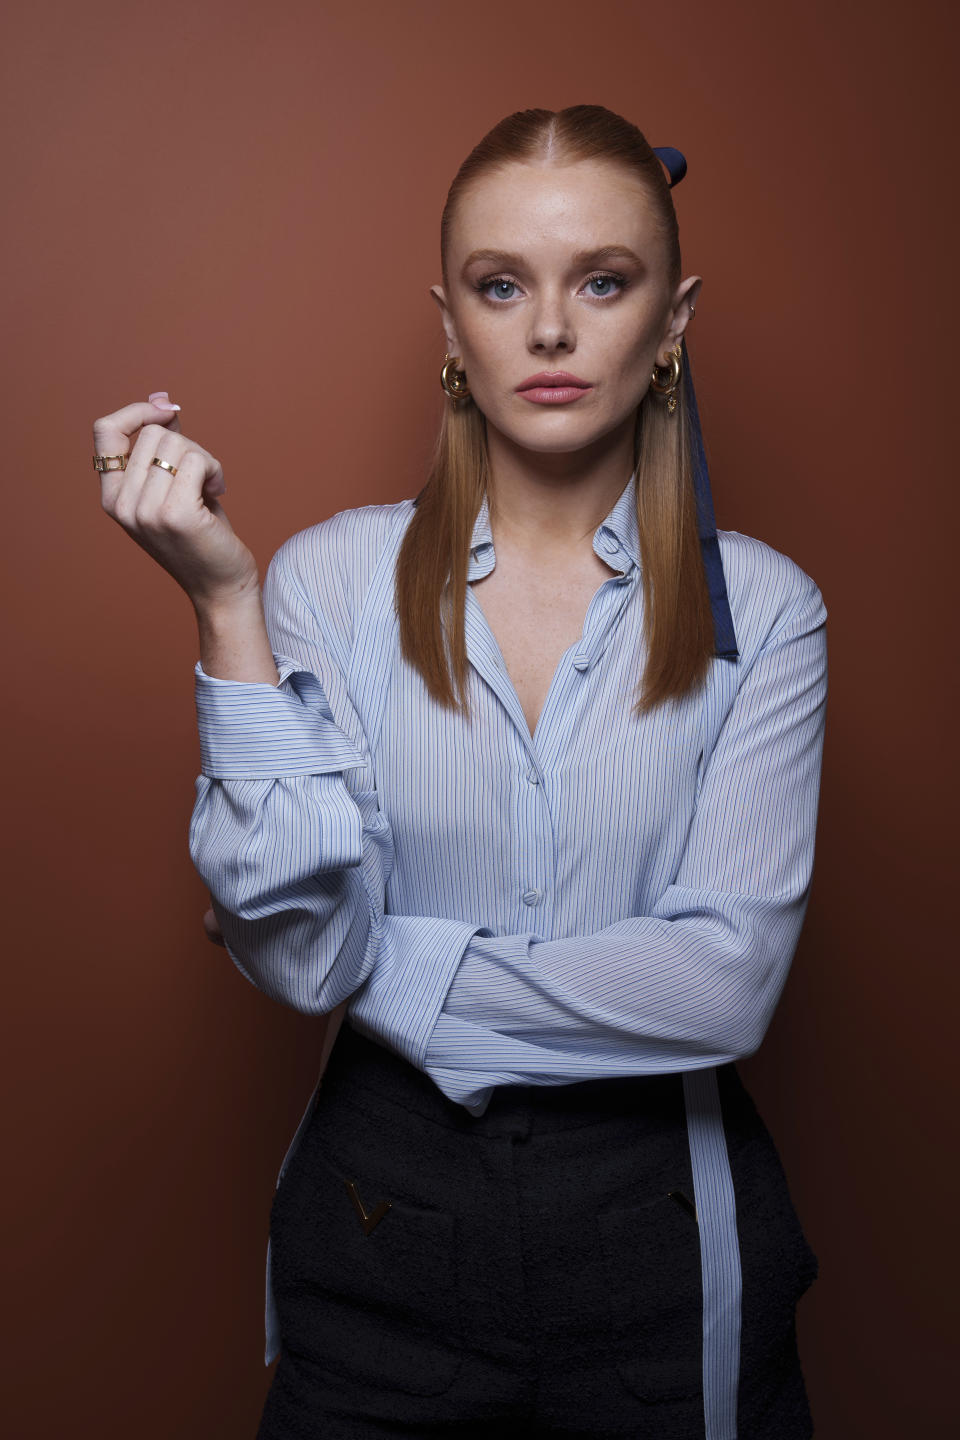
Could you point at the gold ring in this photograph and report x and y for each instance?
(164, 464)
(102, 462)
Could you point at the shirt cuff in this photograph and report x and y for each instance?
(401, 999)
(250, 729)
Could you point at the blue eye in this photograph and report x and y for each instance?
(608, 280)
(493, 288)
(498, 280)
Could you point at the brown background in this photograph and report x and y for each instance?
(240, 203)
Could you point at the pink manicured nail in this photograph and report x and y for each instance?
(165, 405)
(164, 394)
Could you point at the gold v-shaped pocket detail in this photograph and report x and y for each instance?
(368, 1221)
(684, 1203)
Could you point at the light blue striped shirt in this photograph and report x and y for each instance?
(611, 896)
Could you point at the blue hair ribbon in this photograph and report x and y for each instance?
(674, 160)
(725, 640)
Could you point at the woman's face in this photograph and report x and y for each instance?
(560, 268)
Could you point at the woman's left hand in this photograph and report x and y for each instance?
(214, 933)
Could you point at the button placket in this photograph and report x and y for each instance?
(534, 856)
(610, 600)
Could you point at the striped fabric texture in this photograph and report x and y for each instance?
(610, 896)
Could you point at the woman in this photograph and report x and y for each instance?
(521, 777)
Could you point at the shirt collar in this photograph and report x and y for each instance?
(617, 537)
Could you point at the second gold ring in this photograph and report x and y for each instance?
(164, 464)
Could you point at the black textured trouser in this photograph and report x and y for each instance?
(533, 1271)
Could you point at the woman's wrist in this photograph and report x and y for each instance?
(234, 644)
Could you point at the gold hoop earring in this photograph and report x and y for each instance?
(668, 389)
(454, 381)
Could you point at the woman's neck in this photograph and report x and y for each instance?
(553, 501)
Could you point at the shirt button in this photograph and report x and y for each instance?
(580, 663)
(530, 897)
(533, 777)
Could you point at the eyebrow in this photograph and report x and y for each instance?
(508, 260)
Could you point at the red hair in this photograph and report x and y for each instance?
(431, 575)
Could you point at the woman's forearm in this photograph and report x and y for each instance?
(234, 644)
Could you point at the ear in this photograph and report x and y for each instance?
(449, 327)
(683, 305)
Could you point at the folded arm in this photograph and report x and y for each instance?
(692, 984)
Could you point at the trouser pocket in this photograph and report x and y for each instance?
(364, 1280)
(651, 1253)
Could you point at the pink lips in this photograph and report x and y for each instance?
(554, 387)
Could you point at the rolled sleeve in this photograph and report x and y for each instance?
(252, 730)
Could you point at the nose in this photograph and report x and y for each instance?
(551, 326)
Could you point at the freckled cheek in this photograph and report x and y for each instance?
(486, 347)
(489, 359)
(636, 342)
(628, 364)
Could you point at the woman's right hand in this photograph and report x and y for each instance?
(176, 518)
